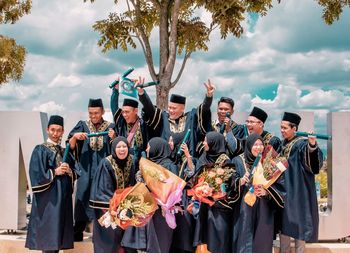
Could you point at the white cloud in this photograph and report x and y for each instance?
(49, 107)
(18, 92)
(74, 97)
(325, 99)
(61, 81)
(346, 64)
(301, 53)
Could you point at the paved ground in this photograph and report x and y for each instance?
(14, 243)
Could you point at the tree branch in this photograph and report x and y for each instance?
(144, 41)
(173, 38)
(187, 56)
(163, 37)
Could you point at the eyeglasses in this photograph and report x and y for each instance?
(251, 122)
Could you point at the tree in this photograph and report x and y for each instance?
(12, 56)
(181, 32)
(332, 9)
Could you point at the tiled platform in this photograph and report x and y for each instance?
(14, 243)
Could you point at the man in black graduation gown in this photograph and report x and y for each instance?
(234, 133)
(175, 120)
(89, 152)
(299, 218)
(51, 220)
(255, 124)
(224, 124)
(129, 124)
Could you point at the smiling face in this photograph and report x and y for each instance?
(130, 114)
(55, 132)
(95, 114)
(121, 150)
(257, 148)
(175, 110)
(287, 130)
(254, 125)
(222, 109)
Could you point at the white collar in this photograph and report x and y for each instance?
(51, 141)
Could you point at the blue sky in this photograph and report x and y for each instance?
(287, 60)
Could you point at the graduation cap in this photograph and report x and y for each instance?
(178, 99)
(95, 102)
(55, 120)
(291, 117)
(259, 114)
(130, 102)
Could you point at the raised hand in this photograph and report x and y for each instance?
(117, 85)
(139, 82)
(210, 88)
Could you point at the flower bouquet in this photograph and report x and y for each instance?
(132, 206)
(165, 186)
(210, 186)
(268, 170)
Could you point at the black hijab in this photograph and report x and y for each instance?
(217, 146)
(115, 142)
(248, 156)
(159, 151)
(177, 140)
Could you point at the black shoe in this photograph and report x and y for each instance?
(78, 237)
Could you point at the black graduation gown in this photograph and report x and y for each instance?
(214, 224)
(272, 140)
(237, 129)
(159, 121)
(107, 180)
(89, 156)
(184, 231)
(159, 234)
(253, 227)
(300, 214)
(143, 134)
(51, 220)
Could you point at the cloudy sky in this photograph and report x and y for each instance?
(287, 60)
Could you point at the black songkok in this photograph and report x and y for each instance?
(130, 102)
(178, 99)
(291, 117)
(55, 120)
(259, 114)
(95, 103)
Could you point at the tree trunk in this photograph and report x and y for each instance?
(162, 96)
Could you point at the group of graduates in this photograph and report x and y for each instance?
(101, 164)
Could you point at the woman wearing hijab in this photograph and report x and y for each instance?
(116, 171)
(254, 225)
(159, 234)
(184, 231)
(213, 225)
